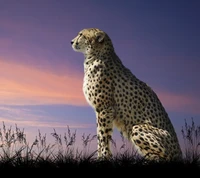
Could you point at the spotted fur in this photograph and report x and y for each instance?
(120, 99)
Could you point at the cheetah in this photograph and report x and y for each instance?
(121, 100)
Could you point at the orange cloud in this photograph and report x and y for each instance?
(28, 85)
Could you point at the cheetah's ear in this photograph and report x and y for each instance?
(100, 36)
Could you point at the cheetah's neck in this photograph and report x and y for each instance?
(89, 59)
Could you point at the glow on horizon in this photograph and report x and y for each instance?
(27, 85)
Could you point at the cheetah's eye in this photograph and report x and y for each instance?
(80, 34)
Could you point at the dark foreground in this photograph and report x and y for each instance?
(86, 163)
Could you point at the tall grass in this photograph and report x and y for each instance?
(16, 151)
(191, 137)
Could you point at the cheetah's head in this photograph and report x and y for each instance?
(92, 41)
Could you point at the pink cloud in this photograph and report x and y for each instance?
(27, 85)
(179, 102)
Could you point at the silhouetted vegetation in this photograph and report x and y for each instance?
(191, 137)
(15, 151)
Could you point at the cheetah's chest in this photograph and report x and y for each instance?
(87, 86)
(91, 83)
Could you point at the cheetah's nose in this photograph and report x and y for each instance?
(72, 42)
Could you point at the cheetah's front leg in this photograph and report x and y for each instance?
(104, 132)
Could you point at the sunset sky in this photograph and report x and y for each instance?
(41, 76)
